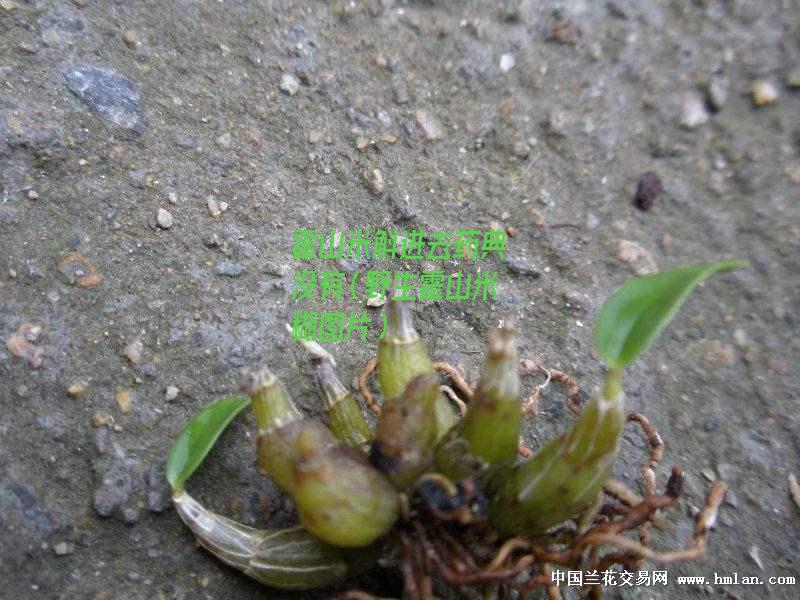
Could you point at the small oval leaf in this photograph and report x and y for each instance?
(637, 312)
(198, 437)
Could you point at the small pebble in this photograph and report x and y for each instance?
(374, 181)
(640, 260)
(32, 335)
(215, 208)
(693, 110)
(131, 37)
(171, 392)
(289, 84)
(124, 401)
(520, 149)
(133, 351)
(376, 300)
(718, 91)
(32, 195)
(63, 549)
(506, 62)
(430, 126)
(101, 419)
(764, 93)
(164, 219)
(20, 344)
(75, 389)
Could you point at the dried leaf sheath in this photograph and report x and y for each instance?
(344, 415)
(289, 559)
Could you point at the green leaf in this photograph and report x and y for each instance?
(637, 312)
(198, 437)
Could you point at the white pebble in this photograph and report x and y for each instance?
(693, 110)
(289, 84)
(214, 208)
(164, 219)
(506, 62)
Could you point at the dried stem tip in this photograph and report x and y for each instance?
(489, 433)
(399, 323)
(344, 415)
(271, 402)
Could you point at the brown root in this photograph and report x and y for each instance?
(459, 384)
(363, 385)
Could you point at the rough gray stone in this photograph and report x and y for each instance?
(113, 96)
(228, 268)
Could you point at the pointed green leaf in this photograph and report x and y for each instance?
(637, 312)
(198, 437)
